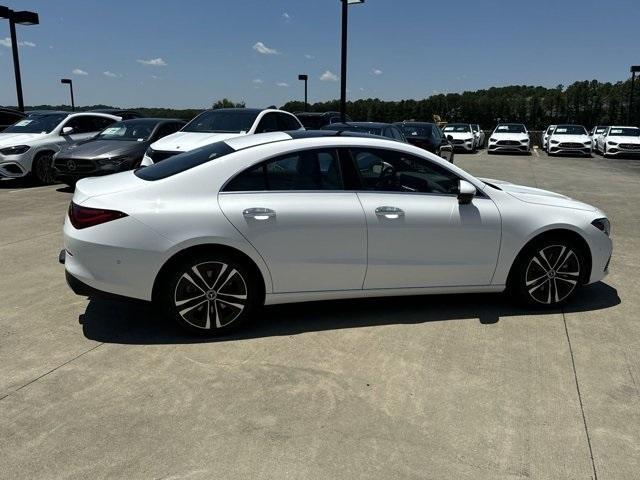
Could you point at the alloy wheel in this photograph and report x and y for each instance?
(43, 170)
(210, 295)
(552, 274)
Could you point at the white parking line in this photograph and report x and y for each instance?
(535, 151)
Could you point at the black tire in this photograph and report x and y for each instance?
(42, 169)
(210, 294)
(548, 272)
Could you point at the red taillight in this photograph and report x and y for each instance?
(83, 217)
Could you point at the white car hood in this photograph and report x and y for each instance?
(621, 139)
(185, 141)
(571, 138)
(11, 139)
(459, 135)
(539, 196)
(510, 136)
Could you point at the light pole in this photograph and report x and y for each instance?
(305, 79)
(20, 18)
(343, 62)
(634, 69)
(70, 83)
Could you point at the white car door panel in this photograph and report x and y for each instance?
(429, 240)
(311, 241)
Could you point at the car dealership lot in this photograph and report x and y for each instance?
(425, 387)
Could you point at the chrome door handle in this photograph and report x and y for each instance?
(258, 213)
(389, 212)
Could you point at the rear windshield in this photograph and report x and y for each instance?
(184, 161)
(417, 130)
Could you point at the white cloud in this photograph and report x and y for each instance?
(257, 81)
(6, 42)
(153, 62)
(78, 71)
(263, 49)
(282, 84)
(309, 57)
(328, 76)
(286, 16)
(109, 74)
(376, 71)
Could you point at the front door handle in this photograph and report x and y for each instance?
(259, 213)
(389, 212)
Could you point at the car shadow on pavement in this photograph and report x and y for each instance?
(137, 323)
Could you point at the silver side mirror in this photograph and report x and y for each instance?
(67, 130)
(466, 192)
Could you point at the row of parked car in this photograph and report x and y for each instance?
(608, 140)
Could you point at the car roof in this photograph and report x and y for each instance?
(358, 124)
(248, 141)
(405, 122)
(317, 114)
(153, 120)
(453, 124)
(47, 112)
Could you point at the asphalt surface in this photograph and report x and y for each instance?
(441, 387)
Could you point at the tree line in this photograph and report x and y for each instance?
(586, 103)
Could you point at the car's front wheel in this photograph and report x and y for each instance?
(548, 272)
(210, 294)
(42, 169)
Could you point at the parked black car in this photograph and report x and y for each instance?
(118, 147)
(124, 114)
(317, 120)
(427, 136)
(373, 128)
(9, 116)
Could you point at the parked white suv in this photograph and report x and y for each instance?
(27, 146)
(619, 141)
(213, 126)
(461, 136)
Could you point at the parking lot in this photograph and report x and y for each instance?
(439, 387)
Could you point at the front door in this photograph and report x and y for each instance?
(293, 209)
(418, 234)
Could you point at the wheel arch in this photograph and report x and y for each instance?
(556, 233)
(208, 248)
(39, 152)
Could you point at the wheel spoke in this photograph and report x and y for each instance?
(237, 298)
(531, 282)
(538, 286)
(215, 307)
(233, 272)
(563, 262)
(555, 289)
(222, 270)
(187, 277)
(188, 309)
(195, 270)
(556, 265)
(545, 269)
(568, 280)
(187, 300)
(541, 253)
(237, 305)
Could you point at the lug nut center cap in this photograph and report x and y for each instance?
(211, 295)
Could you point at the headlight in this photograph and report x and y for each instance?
(588, 143)
(493, 140)
(526, 140)
(17, 150)
(469, 140)
(603, 225)
(555, 142)
(612, 143)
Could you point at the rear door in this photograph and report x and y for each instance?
(294, 210)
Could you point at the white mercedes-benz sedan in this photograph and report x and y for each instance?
(545, 136)
(213, 126)
(619, 141)
(569, 140)
(211, 235)
(461, 136)
(509, 137)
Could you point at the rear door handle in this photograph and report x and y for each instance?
(389, 212)
(259, 213)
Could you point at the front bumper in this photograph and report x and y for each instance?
(75, 169)
(617, 150)
(11, 169)
(465, 146)
(494, 147)
(558, 150)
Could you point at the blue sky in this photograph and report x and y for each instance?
(188, 53)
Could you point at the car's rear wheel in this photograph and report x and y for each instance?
(210, 294)
(42, 169)
(548, 272)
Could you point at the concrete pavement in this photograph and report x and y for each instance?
(428, 387)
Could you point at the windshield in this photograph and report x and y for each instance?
(417, 130)
(129, 130)
(550, 129)
(457, 128)
(600, 129)
(570, 130)
(354, 128)
(625, 132)
(37, 124)
(222, 121)
(511, 128)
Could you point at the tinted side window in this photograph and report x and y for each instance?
(387, 170)
(287, 122)
(101, 123)
(397, 134)
(81, 125)
(268, 123)
(306, 170)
